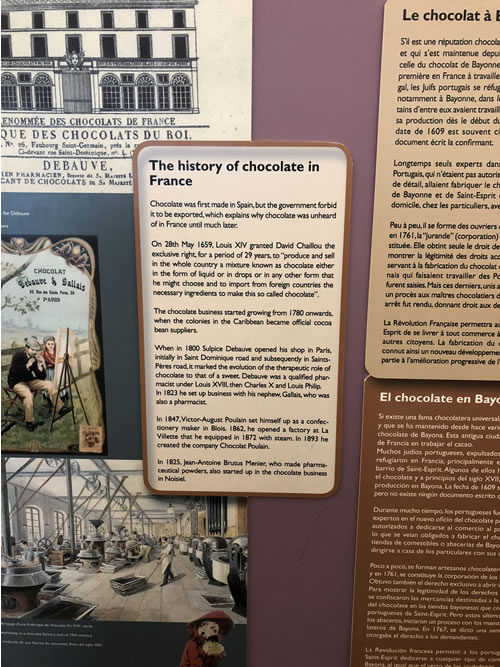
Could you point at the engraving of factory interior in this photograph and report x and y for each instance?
(84, 539)
(68, 56)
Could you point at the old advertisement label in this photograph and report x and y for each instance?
(52, 393)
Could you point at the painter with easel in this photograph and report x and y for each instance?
(27, 375)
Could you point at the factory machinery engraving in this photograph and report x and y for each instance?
(83, 538)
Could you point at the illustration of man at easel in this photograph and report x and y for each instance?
(27, 374)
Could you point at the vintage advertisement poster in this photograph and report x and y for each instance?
(109, 220)
(52, 395)
(242, 270)
(95, 561)
(84, 82)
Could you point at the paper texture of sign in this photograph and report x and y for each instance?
(50, 345)
(241, 252)
(427, 572)
(84, 83)
(435, 276)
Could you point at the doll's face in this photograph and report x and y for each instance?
(208, 629)
(50, 345)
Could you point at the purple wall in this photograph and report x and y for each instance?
(316, 66)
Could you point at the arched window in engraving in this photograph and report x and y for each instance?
(25, 90)
(128, 92)
(163, 91)
(58, 523)
(33, 520)
(181, 92)
(42, 86)
(9, 92)
(78, 528)
(145, 92)
(110, 92)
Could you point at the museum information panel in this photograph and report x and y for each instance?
(427, 587)
(241, 265)
(427, 574)
(435, 267)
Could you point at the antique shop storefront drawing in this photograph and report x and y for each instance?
(87, 57)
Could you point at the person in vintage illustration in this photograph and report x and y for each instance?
(25, 551)
(49, 356)
(204, 648)
(137, 548)
(167, 558)
(144, 549)
(132, 547)
(27, 374)
(49, 359)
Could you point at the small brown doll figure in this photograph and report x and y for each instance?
(204, 648)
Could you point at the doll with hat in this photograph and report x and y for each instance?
(204, 648)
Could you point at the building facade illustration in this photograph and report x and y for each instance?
(105, 56)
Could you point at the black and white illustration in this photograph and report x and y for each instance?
(84, 82)
(76, 57)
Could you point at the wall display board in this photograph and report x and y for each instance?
(427, 588)
(85, 82)
(241, 284)
(435, 277)
(427, 585)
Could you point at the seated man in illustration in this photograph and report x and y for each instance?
(27, 374)
(132, 548)
(25, 551)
